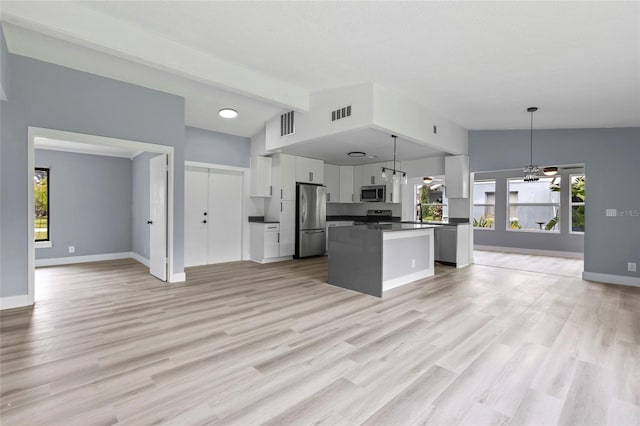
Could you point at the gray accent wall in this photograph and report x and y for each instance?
(611, 158)
(54, 97)
(206, 146)
(4, 68)
(90, 203)
(140, 202)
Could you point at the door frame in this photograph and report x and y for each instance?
(245, 198)
(34, 132)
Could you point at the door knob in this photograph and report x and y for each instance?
(149, 222)
(204, 221)
(205, 213)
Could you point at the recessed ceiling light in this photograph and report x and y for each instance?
(356, 154)
(228, 113)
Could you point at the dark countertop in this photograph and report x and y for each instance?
(444, 223)
(392, 227)
(260, 219)
(355, 218)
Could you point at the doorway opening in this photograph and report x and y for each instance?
(91, 143)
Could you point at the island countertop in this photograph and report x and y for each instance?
(392, 227)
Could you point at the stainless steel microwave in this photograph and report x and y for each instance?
(374, 193)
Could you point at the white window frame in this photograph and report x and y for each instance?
(572, 203)
(415, 213)
(485, 205)
(539, 231)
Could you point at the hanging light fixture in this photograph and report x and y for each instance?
(427, 179)
(397, 176)
(550, 171)
(531, 172)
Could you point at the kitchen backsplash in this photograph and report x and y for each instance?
(360, 209)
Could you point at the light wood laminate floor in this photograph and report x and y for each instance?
(245, 344)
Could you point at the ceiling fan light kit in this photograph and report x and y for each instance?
(550, 171)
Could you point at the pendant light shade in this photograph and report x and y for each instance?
(532, 171)
(550, 171)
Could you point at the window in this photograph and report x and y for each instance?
(41, 196)
(484, 204)
(433, 202)
(534, 206)
(577, 203)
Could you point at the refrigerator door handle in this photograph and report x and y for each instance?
(303, 210)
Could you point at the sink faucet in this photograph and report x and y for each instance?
(419, 205)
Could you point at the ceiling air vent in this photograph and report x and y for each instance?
(287, 125)
(341, 113)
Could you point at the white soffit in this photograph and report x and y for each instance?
(334, 149)
(82, 25)
(84, 148)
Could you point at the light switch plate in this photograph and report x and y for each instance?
(631, 266)
(72, 249)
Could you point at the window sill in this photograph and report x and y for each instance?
(43, 244)
(534, 231)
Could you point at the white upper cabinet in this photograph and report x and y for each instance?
(261, 177)
(284, 177)
(358, 172)
(309, 170)
(456, 170)
(332, 182)
(347, 194)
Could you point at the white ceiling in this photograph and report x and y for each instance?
(480, 64)
(84, 148)
(377, 145)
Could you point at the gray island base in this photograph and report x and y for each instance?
(371, 259)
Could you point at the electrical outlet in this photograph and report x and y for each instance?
(631, 266)
(413, 263)
(72, 249)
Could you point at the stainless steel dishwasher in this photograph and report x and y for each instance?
(446, 241)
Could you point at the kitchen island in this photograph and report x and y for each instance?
(374, 258)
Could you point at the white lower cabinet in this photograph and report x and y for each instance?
(265, 242)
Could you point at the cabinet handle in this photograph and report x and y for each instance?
(310, 176)
(278, 238)
(204, 221)
(205, 213)
(280, 207)
(270, 190)
(281, 194)
(328, 196)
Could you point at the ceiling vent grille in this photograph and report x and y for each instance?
(341, 113)
(287, 124)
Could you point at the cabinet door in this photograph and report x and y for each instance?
(332, 181)
(456, 170)
(287, 177)
(357, 182)
(309, 170)
(346, 184)
(271, 246)
(287, 228)
(260, 176)
(371, 174)
(195, 216)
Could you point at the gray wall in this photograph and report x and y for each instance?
(216, 148)
(90, 204)
(140, 204)
(54, 97)
(4, 68)
(500, 236)
(610, 157)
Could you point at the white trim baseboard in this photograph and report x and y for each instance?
(272, 259)
(12, 302)
(82, 259)
(140, 258)
(553, 253)
(611, 279)
(178, 278)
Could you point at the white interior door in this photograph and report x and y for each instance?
(158, 216)
(196, 182)
(225, 212)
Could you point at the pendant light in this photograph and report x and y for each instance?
(531, 172)
(398, 177)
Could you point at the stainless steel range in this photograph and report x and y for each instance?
(376, 216)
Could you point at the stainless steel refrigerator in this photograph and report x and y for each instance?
(311, 220)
